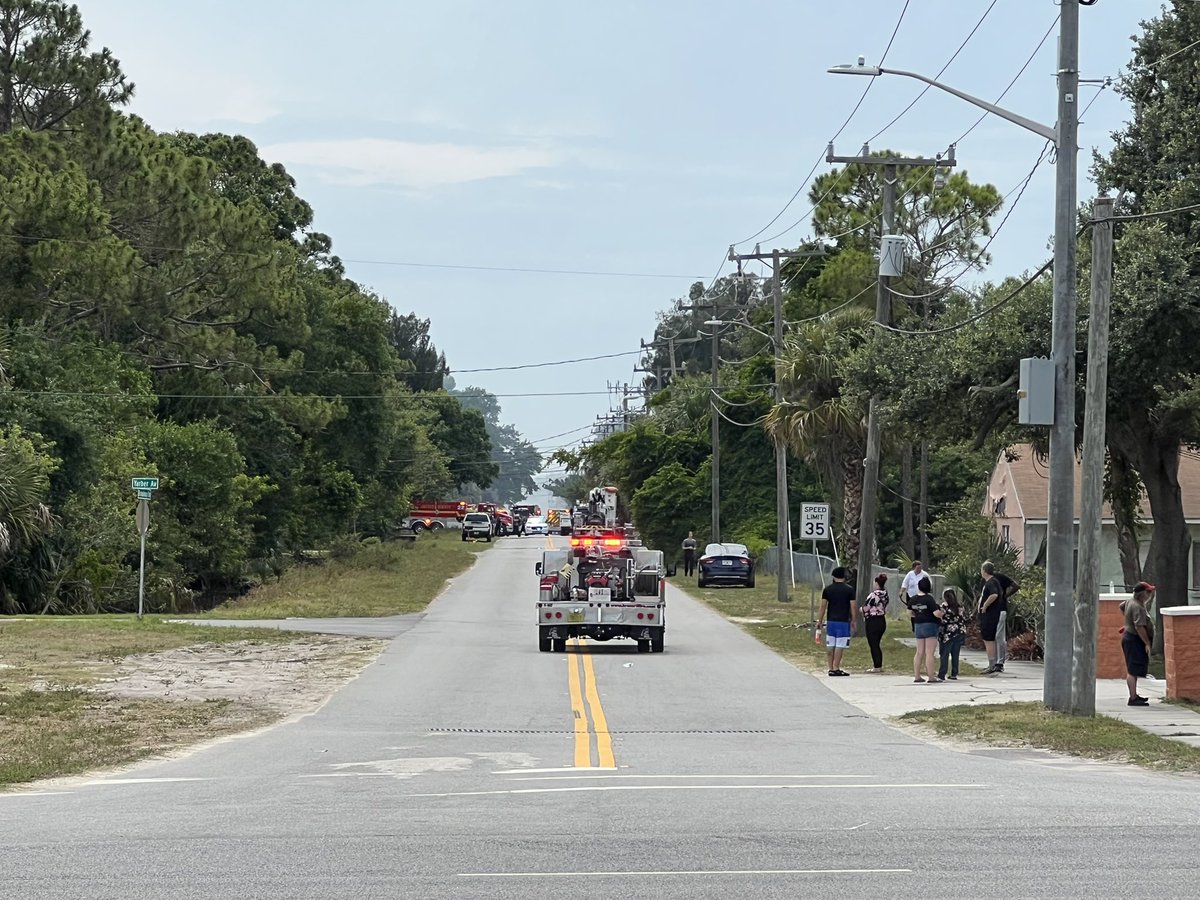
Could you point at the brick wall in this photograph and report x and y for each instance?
(1181, 647)
(1110, 661)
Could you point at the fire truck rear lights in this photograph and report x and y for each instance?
(641, 615)
(558, 615)
(649, 615)
(613, 542)
(548, 615)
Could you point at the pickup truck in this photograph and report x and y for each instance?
(605, 586)
(477, 525)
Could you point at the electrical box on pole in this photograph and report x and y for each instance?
(1035, 393)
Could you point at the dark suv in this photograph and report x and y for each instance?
(477, 525)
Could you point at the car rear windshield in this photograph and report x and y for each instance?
(477, 517)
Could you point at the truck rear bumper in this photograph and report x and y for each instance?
(599, 632)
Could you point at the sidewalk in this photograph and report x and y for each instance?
(886, 696)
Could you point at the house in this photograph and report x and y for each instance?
(1018, 498)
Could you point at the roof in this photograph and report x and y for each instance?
(1022, 479)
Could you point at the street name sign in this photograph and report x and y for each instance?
(145, 484)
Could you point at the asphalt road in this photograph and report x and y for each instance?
(448, 769)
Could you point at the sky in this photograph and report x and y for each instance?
(640, 138)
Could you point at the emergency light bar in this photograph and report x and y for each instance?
(597, 542)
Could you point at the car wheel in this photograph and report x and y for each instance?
(657, 642)
(750, 582)
(700, 582)
(464, 538)
(488, 538)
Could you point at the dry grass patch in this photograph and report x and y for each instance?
(78, 694)
(1031, 724)
(379, 580)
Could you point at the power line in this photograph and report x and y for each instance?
(836, 135)
(941, 71)
(35, 239)
(401, 397)
(982, 314)
(962, 137)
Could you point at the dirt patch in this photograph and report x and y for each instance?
(286, 678)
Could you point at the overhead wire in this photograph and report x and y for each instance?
(837, 134)
(941, 71)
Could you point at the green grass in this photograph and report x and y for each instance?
(52, 725)
(66, 732)
(380, 580)
(1031, 724)
(787, 627)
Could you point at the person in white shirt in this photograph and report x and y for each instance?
(911, 581)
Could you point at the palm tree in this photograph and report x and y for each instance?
(817, 422)
(24, 517)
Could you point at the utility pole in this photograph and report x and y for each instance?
(1060, 527)
(782, 515)
(714, 417)
(1087, 612)
(883, 316)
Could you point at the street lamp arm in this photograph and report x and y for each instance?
(1050, 134)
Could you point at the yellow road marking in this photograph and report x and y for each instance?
(604, 748)
(583, 748)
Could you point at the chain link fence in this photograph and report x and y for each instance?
(811, 570)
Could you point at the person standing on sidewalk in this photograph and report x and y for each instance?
(874, 613)
(990, 607)
(909, 586)
(1008, 587)
(925, 614)
(952, 632)
(1137, 640)
(689, 554)
(837, 615)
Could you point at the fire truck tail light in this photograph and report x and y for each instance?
(613, 542)
(641, 615)
(649, 615)
(558, 615)
(547, 615)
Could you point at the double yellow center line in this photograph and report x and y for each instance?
(581, 687)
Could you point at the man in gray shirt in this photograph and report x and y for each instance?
(689, 554)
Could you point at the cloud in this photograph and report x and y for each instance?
(374, 161)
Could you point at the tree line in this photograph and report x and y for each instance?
(945, 372)
(167, 309)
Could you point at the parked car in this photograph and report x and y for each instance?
(537, 525)
(725, 564)
(477, 525)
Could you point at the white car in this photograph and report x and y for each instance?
(537, 525)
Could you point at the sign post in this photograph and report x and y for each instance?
(814, 526)
(145, 488)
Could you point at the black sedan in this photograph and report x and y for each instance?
(726, 564)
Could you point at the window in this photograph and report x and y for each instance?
(1004, 534)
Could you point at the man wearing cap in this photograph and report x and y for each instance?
(838, 601)
(1137, 639)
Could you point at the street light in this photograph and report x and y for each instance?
(1060, 528)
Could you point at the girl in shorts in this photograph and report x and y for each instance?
(926, 616)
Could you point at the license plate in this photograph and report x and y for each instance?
(727, 562)
(575, 616)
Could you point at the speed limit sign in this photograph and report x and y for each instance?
(814, 521)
